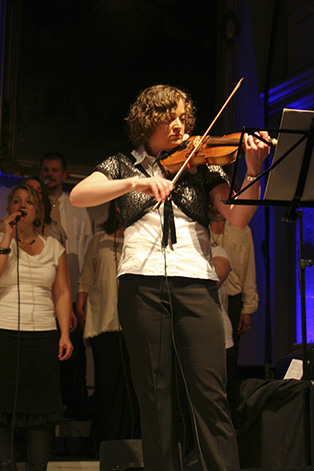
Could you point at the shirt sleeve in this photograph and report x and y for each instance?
(249, 289)
(215, 176)
(110, 167)
(86, 279)
(58, 249)
(63, 235)
(219, 251)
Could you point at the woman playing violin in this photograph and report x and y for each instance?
(168, 302)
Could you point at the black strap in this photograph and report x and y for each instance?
(169, 225)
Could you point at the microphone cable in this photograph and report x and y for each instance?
(17, 346)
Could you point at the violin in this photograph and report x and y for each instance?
(197, 149)
(214, 151)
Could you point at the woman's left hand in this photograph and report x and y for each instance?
(256, 151)
(65, 348)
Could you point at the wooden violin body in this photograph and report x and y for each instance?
(214, 151)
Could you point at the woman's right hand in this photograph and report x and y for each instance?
(9, 231)
(158, 187)
(10, 223)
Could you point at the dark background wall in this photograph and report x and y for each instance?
(81, 64)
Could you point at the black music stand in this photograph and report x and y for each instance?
(290, 183)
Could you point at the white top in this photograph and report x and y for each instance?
(242, 278)
(99, 280)
(76, 223)
(143, 253)
(223, 298)
(37, 274)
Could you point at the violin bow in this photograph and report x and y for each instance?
(180, 171)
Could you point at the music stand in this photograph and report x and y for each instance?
(290, 183)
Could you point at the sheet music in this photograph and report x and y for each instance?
(283, 179)
(295, 370)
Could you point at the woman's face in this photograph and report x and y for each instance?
(23, 201)
(170, 135)
(37, 187)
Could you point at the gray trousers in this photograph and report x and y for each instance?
(192, 325)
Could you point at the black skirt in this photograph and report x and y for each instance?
(29, 372)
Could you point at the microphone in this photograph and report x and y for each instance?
(46, 181)
(20, 216)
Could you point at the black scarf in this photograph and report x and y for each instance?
(169, 225)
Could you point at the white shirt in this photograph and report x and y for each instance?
(242, 279)
(37, 274)
(76, 223)
(99, 280)
(143, 253)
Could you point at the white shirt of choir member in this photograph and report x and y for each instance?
(140, 256)
(37, 274)
(76, 223)
(99, 280)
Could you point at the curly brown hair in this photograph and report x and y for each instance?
(34, 199)
(153, 107)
